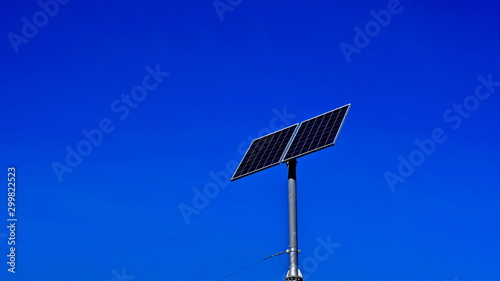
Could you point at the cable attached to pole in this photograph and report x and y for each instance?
(243, 268)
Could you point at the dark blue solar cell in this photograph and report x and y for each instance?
(264, 152)
(316, 133)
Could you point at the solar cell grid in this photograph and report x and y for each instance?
(264, 152)
(316, 133)
(292, 142)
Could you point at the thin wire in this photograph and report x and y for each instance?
(243, 268)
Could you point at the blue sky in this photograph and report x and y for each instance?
(125, 119)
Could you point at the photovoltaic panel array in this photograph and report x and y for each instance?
(264, 152)
(292, 142)
(316, 133)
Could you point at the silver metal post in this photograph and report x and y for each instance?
(293, 273)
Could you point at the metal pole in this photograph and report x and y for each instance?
(293, 273)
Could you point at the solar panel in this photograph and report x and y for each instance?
(264, 152)
(316, 133)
